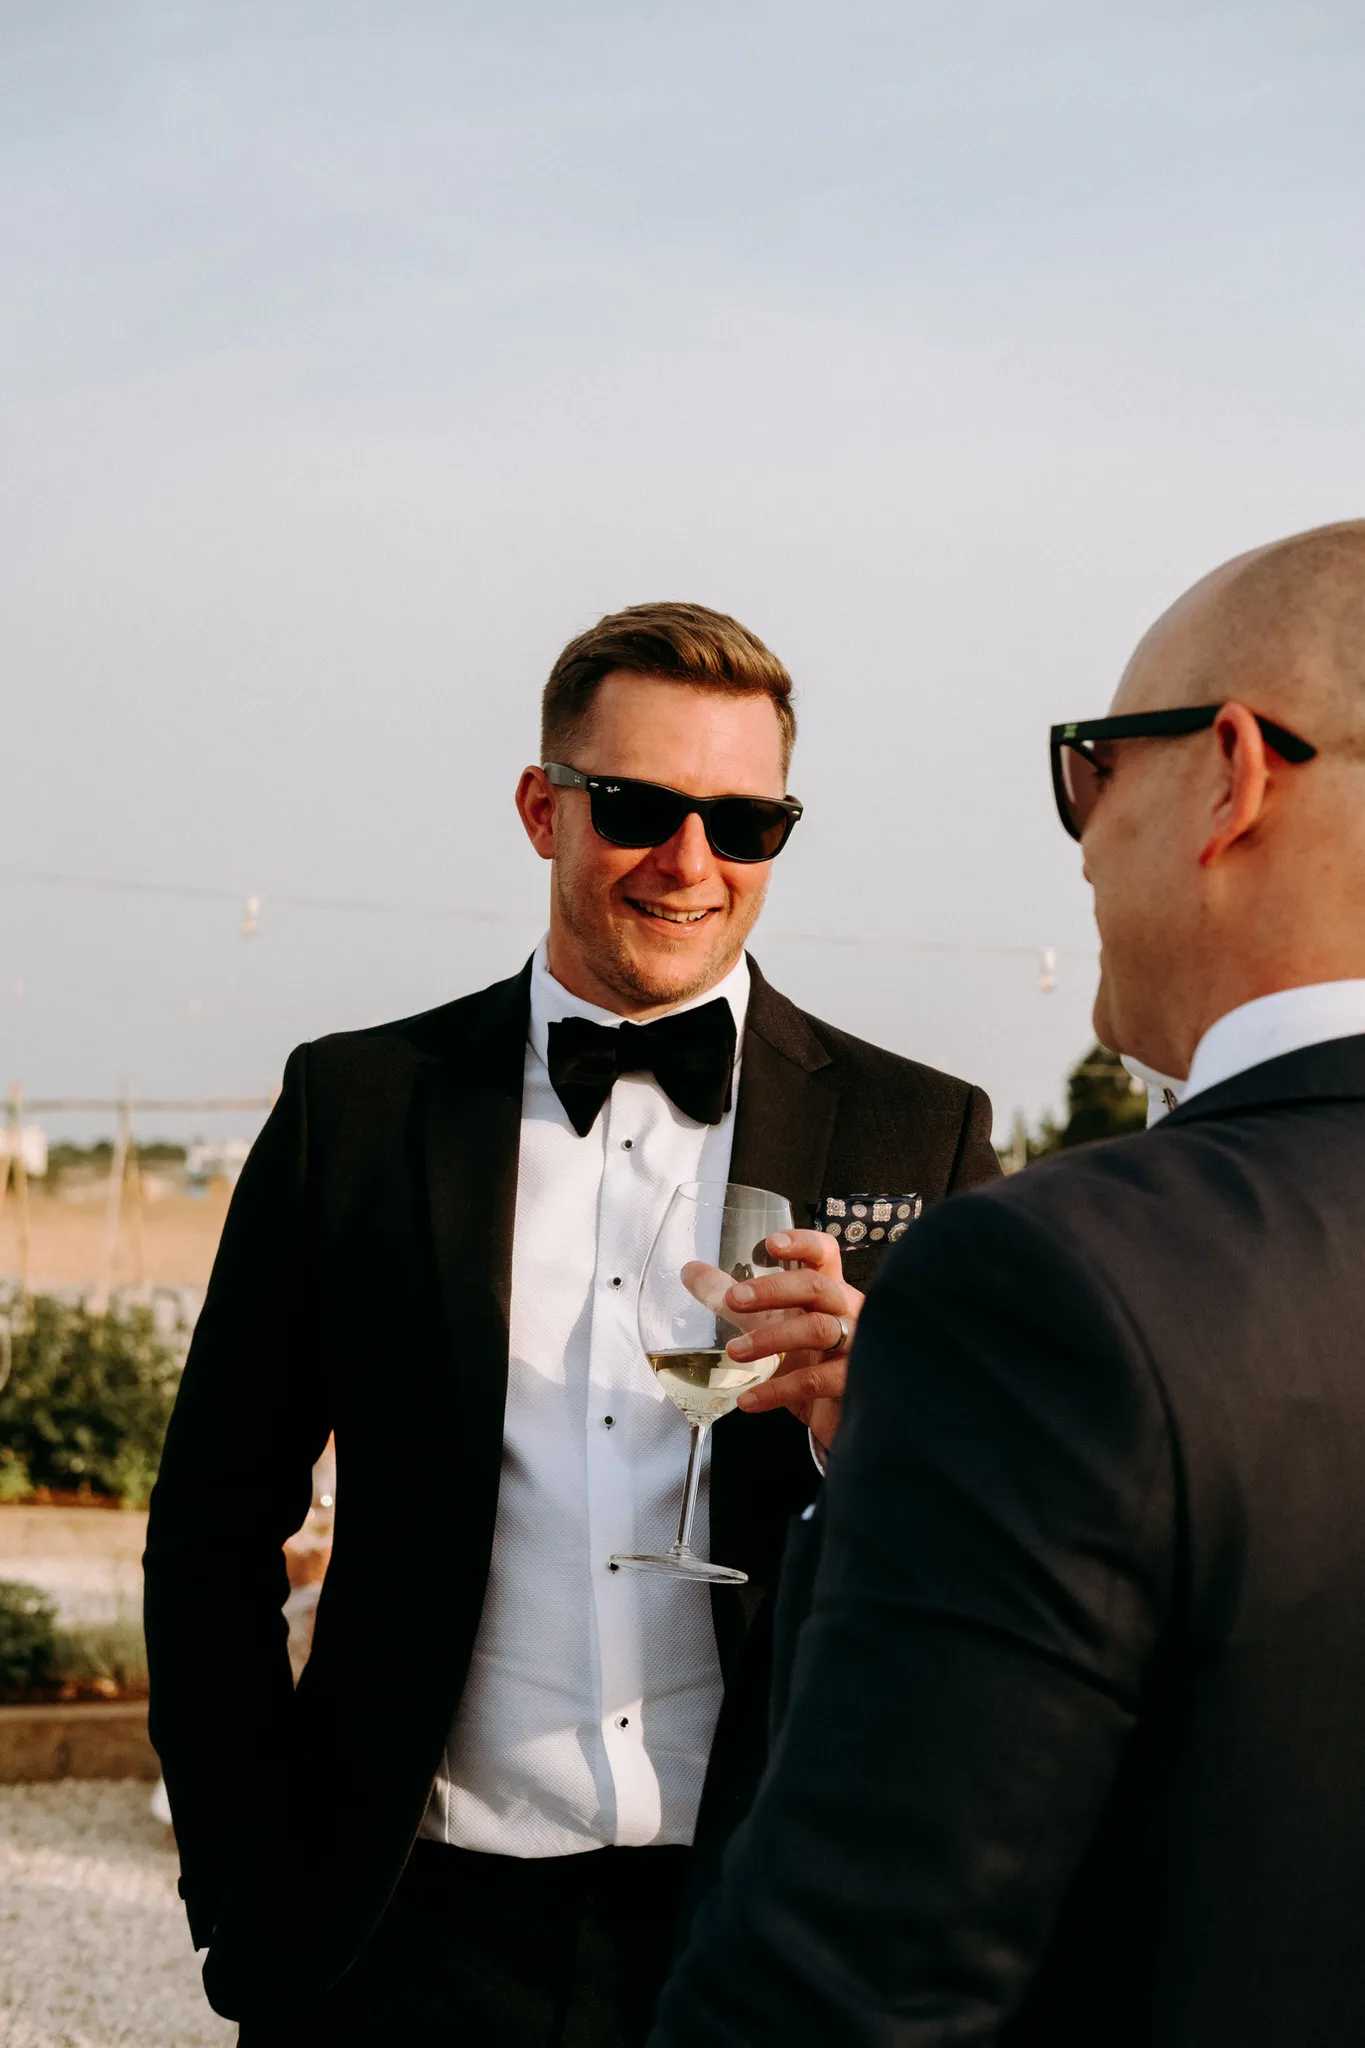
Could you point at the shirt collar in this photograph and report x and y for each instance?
(1275, 1024)
(1163, 1090)
(551, 1002)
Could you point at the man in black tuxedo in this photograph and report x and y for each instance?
(472, 1821)
(1076, 1749)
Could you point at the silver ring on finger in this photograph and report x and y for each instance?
(845, 1337)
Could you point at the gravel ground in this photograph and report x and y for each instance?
(94, 1950)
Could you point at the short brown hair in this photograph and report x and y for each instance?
(679, 643)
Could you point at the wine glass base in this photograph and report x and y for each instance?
(681, 1564)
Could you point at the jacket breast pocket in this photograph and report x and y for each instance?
(864, 1226)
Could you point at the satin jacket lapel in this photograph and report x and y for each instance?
(784, 1119)
(471, 1131)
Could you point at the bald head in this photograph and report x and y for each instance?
(1221, 870)
(1281, 629)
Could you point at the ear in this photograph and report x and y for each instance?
(536, 809)
(1245, 778)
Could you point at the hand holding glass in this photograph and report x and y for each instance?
(714, 1234)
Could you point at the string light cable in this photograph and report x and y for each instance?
(250, 911)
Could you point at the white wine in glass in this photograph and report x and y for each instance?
(707, 1384)
(714, 1233)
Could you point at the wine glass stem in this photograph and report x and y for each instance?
(697, 1438)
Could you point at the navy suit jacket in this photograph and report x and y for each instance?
(1074, 1748)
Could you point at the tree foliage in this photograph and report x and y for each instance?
(1102, 1101)
(87, 1401)
(28, 1639)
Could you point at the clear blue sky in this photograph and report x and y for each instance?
(354, 356)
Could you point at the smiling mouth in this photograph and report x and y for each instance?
(659, 914)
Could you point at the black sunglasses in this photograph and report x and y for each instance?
(1078, 775)
(741, 828)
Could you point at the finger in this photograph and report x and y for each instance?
(804, 1289)
(706, 1284)
(815, 1248)
(832, 1367)
(823, 1382)
(798, 1331)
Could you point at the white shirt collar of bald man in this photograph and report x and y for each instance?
(1271, 1025)
(1254, 1032)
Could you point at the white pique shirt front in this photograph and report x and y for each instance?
(592, 1696)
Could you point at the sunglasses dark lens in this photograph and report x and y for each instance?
(635, 813)
(1081, 785)
(747, 828)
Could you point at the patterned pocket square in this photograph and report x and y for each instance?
(860, 1221)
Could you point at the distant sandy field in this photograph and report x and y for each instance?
(66, 1240)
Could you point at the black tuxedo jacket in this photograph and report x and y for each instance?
(362, 1286)
(1075, 1754)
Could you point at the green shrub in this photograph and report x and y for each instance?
(87, 1401)
(16, 1481)
(28, 1639)
(111, 1655)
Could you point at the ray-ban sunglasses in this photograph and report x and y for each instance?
(1079, 771)
(639, 814)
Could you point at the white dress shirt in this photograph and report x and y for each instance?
(1163, 1090)
(1271, 1025)
(592, 1696)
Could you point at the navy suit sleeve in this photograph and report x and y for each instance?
(993, 1580)
(235, 1481)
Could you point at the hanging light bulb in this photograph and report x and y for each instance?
(1047, 970)
(251, 916)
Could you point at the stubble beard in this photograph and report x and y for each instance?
(614, 966)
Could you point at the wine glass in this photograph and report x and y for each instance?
(714, 1233)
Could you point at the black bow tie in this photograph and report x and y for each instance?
(691, 1056)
